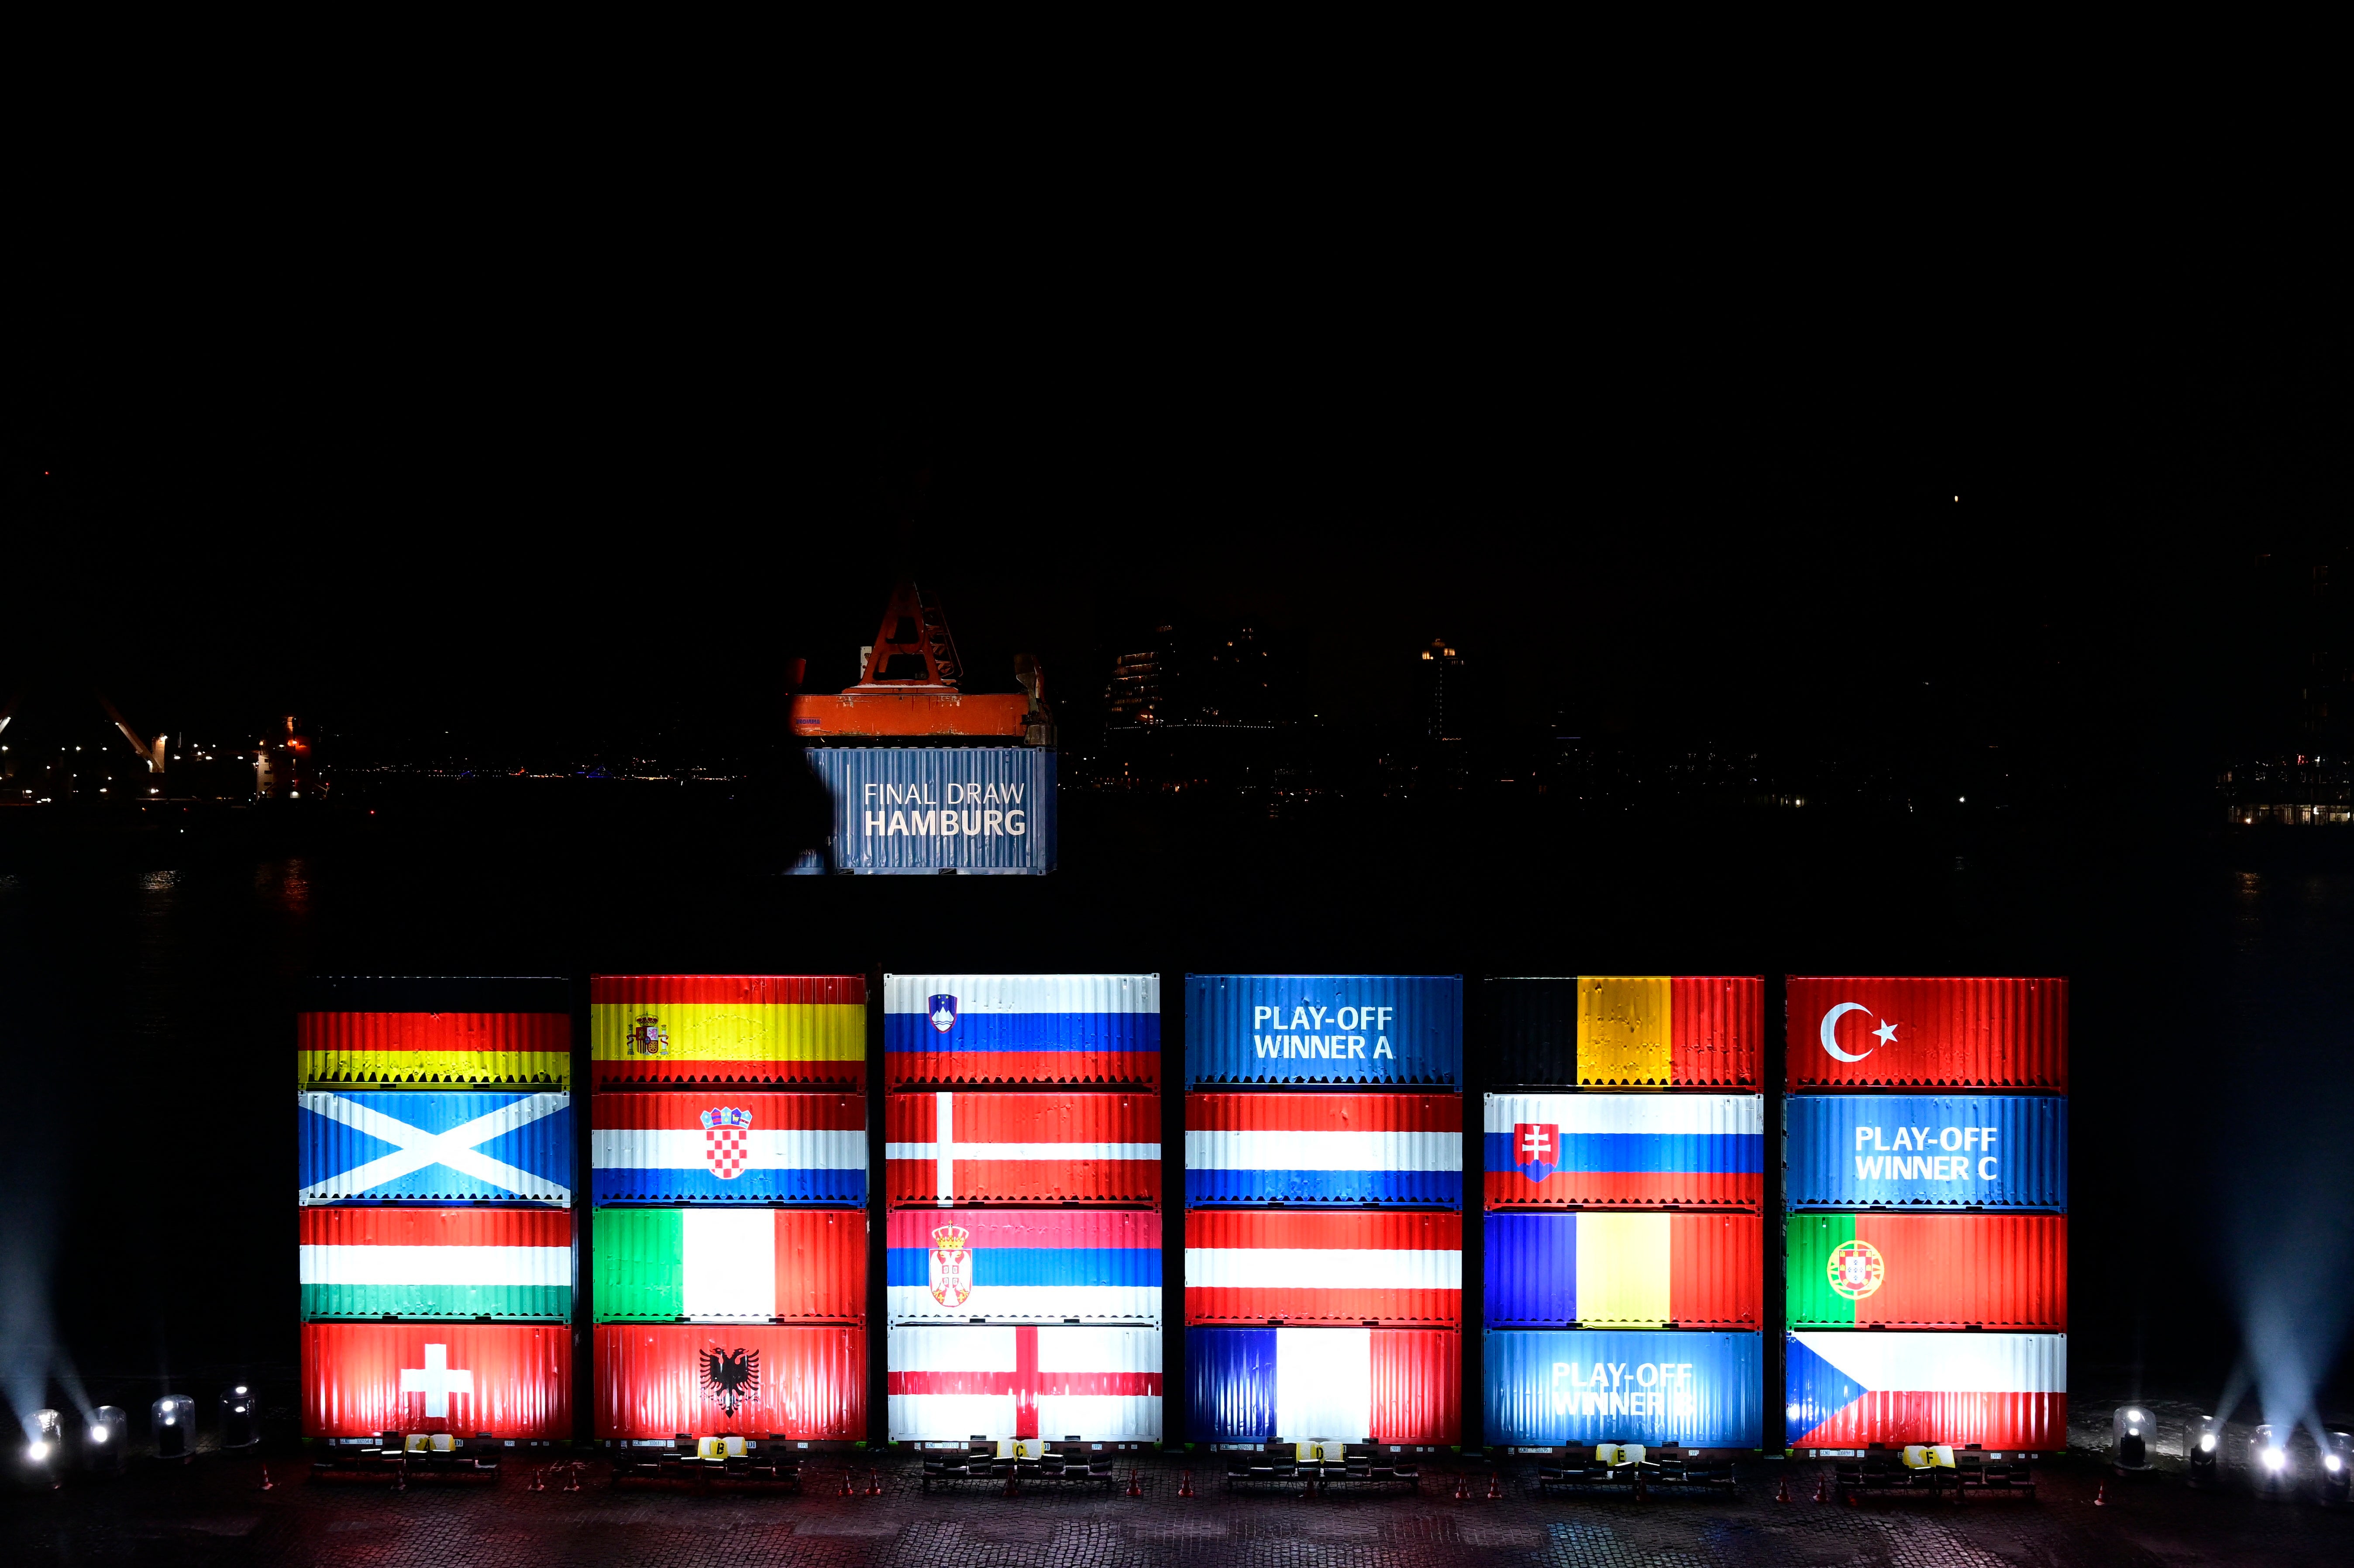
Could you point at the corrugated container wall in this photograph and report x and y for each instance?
(948, 1383)
(1574, 1388)
(371, 1146)
(731, 1146)
(771, 1030)
(1347, 1385)
(508, 1380)
(1637, 1030)
(1879, 1032)
(1353, 1149)
(466, 1263)
(424, 1049)
(945, 1030)
(1631, 1270)
(978, 809)
(1259, 1266)
(656, 1380)
(1990, 1151)
(1928, 1271)
(1393, 1030)
(730, 1264)
(1021, 1147)
(1994, 1391)
(1061, 1265)
(1624, 1150)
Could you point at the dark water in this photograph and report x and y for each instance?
(145, 1009)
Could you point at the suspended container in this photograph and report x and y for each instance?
(360, 1380)
(730, 1264)
(452, 994)
(1260, 1267)
(982, 811)
(1341, 1148)
(1555, 1389)
(944, 1030)
(1985, 1151)
(951, 1149)
(1401, 1031)
(1324, 1385)
(1607, 1270)
(497, 1262)
(427, 1049)
(948, 1383)
(363, 1146)
(758, 1030)
(722, 1145)
(1928, 1271)
(1999, 1391)
(1855, 1033)
(1683, 1031)
(1606, 1151)
(1056, 1266)
(657, 1380)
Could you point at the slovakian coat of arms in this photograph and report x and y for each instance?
(1536, 1149)
(951, 1266)
(727, 1140)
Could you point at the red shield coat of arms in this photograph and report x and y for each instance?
(727, 1140)
(1536, 1149)
(951, 1266)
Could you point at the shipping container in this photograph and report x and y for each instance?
(1324, 1385)
(982, 811)
(773, 1031)
(730, 1264)
(514, 1264)
(508, 1380)
(1991, 1391)
(1928, 1034)
(948, 1382)
(434, 993)
(729, 1146)
(942, 1029)
(433, 1048)
(1606, 1151)
(1624, 1270)
(1258, 1267)
(1398, 1030)
(750, 1379)
(1575, 1388)
(1983, 1151)
(1324, 1149)
(1073, 1148)
(439, 1146)
(1928, 1271)
(1684, 1032)
(1058, 1266)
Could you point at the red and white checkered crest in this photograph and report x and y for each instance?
(727, 1140)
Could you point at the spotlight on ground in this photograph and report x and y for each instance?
(2336, 1467)
(44, 1440)
(2269, 1466)
(2134, 1430)
(239, 1428)
(103, 1440)
(2205, 1450)
(176, 1426)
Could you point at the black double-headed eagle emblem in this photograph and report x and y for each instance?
(731, 1377)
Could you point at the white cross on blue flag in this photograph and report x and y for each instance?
(412, 1148)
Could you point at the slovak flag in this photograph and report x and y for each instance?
(1632, 1151)
(1536, 1149)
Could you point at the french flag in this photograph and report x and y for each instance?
(1324, 1149)
(1998, 1391)
(947, 1384)
(950, 1149)
(1632, 1151)
(1346, 1385)
(956, 1265)
(1252, 1265)
(940, 1029)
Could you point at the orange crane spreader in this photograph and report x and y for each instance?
(908, 689)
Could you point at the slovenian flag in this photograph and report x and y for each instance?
(957, 1265)
(1996, 1391)
(1613, 1270)
(1263, 1148)
(724, 1146)
(1342, 1385)
(1631, 1150)
(368, 1147)
(437, 1263)
(1100, 1384)
(948, 1147)
(1254, 1266)
(1021, 1029)
(775, 1031)
(731, 1264)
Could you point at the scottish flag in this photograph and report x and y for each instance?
(434, 1148)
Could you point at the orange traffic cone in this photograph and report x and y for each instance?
(1782, 1494)
(2101, 1496)
(847, 1490)
(1460, 1493)
(265, 1485)
(1185, 1485)
(1822, 1488)
(1134, 1489)
(873, 1484)
(1495, 1485)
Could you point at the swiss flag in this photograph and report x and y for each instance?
(1536, 1147)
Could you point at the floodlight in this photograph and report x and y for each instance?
(103, 1439)
(46, 1435)
(2132, 1429)
(2270, 1455)
(2337, 1466)
(2205, 1451)
(239, 1426)
(176, 1426)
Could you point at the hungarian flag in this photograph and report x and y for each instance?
(1021, 1029)
(437, 1263)
(1635, 1150)
(750, 1379)
(1074, 1147)
(709, 1264)
(1100, 1384)
(780, 1031)
(1997, 1391)
(1928, 1271)
(726, 1146)
(507, 1380)
(1342, 1385)
(1094, 1265)
(1252, 1265)
(434, 1048)
(1622, 1270)
(1293, 1147)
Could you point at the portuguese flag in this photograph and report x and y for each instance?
(1928, 1271)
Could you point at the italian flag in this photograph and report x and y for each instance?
(731, 1265)
(514, 1264)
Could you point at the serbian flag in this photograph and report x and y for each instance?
(1292, 1148)
(780, 1031)
(1342, 1385)
(731, 1264)
(1100, 1384)
(434, 1048)
(437, 1263)
(1631, 1150)
(950, 1148)
(1996, 1391)
(1021, 1029)
(1252, 1265)
(721, 1145)
(1624, 1270)
(956, 1265)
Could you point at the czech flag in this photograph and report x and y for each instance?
(1998, 1391)
(1625, 1150)
(1101, 1384)
(1317, 1147)
(731, 1264)
(1251, 1266)
(726, 1146)
(1341, 1385)
(1021, 1029)
(1611, 1270)
(950, 1148)
(782, 1031)
(956, 1265)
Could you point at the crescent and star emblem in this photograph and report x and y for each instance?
(1887, 1032)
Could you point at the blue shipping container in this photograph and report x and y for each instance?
(1400, 1030)
(368, 1147)
(985, 810)
(1556, 1387)
(1876, 1151)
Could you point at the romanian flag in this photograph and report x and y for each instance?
(1606, 1151)
(444, 1048)
(1624, 1270)
(784, 1031)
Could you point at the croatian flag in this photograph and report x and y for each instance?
(436, 1263)
(1252, 1265)
(1344, 1385)
(377, 1147)
(951, 1149)
(725, 1146)
(1261, 1147)
(1997, 1391)
(1102, 1384)
(1635, 1151)
(956, 1265)
(1021, 1029)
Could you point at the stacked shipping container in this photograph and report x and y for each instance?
(1623, 1293)
(1022, 1174)
(1926, 1151)
(1323, 1220)
(728, 1148)
(434, 1131)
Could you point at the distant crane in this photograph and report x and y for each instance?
(153, 756)
(910, 688)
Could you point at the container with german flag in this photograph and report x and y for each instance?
(410, 1032)
(780, 1031)
(1684, 1032)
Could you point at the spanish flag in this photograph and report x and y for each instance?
(773, 1029)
